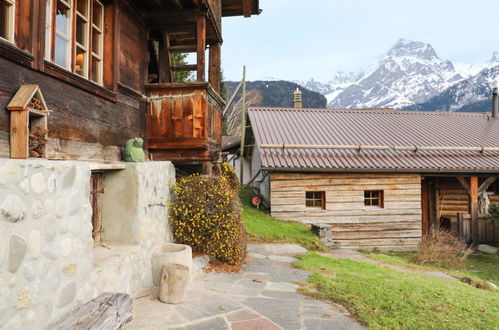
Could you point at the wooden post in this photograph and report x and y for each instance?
(200, 47)
(474, 207)
(207, 168)
(243, 128)
(214, 67)
(165, 67)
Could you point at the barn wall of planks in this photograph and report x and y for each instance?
(396, 226)
(87, 122)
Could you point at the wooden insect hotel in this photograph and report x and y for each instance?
(28, 123)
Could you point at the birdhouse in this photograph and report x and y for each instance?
(28, 123)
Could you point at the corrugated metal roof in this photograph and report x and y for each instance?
(289, 126)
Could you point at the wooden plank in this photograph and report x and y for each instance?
(183, 49)
(110, 67)
(378, 226)
(19, 122)
(165, 67)
(462, 180)
(186, 67)
(247, 8)
(177, 117)
(107, 311)
(378, 241)
(201, 46)
(60, 149)
(214, 66)
(188, 120)
(474, 207)
(22, 98)
(377, 234)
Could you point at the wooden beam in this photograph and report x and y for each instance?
(474, 207)
(247, 4)
(165, 67)
(183, 49)
(201, 46)
(214, 67)
(187, 67)
(485, 185)
(464, 183)
(177, 4)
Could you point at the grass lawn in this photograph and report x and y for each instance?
(483, 266)
(385, 298)
(263, 228)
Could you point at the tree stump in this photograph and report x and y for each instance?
(173, 284)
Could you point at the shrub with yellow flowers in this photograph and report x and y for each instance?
(206, 215)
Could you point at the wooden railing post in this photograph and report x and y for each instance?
(214, 67)
(165, 67)
(200, 46)
(474, 207)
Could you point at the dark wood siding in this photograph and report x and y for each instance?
(88, 122)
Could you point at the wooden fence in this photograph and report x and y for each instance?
(488, 229)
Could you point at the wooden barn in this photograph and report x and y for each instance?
(379, 178)
(104, 69)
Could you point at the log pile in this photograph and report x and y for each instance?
(107, 311)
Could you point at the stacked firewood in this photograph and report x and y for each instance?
(37, 142)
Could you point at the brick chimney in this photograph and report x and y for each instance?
(297, 99)
(495, 103)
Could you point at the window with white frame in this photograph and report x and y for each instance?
(7, 16)
(74, 36)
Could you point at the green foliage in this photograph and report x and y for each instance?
(494, 211)
(207, 216)
(229, 174)
(262, 228)
(180, 76)
(385, 298)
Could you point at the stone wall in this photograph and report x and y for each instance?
(48, 263)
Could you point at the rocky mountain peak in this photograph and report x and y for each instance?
(405, 47)
(495, 57)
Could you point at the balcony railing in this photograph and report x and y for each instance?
(184, 122)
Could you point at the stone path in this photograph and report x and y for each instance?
(262, 296)
(358, 256)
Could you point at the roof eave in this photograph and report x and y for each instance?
(382, 170)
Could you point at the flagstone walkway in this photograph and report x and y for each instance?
(262, 296)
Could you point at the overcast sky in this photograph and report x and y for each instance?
(302, 39)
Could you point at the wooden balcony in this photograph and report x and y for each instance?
(184, 122)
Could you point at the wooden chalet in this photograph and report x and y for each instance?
(104, 70)
(379, 177)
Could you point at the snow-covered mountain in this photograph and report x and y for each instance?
(472, 94)
(409, 74)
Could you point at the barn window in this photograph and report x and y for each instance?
(315, 199)
(7, 10)
(373, 198)
(76, 47)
